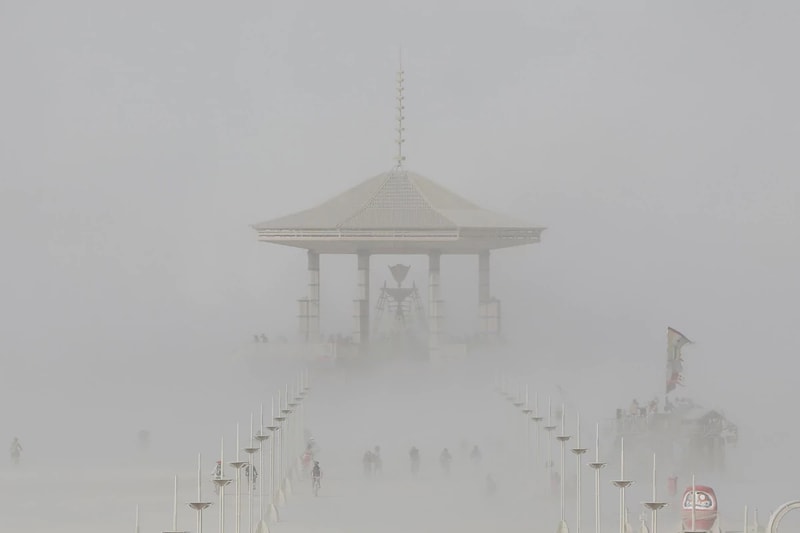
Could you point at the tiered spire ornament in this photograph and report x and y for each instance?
(400, 116)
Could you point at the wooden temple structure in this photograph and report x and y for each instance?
(398, 212)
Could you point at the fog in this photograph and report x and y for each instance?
(140, 142)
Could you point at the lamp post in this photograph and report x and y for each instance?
(622, 484)
(596, 465)
(744, 528)
(527, 412)
(578, 451)
(562, 439)
(293, 444)
(175, 510)
(280, 496)
(238, 464)
(221, 482)
(549, 428)
(694, 504)
(654, 505)
(300, 413)
(261, 437)
(199, 505)
(694, 507)
(274, 516)
(285, 441)
(537, 419)
(517, 402)
(250, 450)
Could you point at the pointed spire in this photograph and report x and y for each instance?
(400, 116)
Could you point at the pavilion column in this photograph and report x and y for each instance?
(484, 295)
(309, 306)
(313, 297)
(434, 305)
(361, 335)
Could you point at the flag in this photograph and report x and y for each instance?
(675, 341)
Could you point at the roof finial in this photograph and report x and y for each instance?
(400, 108)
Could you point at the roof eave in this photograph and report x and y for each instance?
(402, 240)
(477, 232)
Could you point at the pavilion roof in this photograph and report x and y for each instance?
(397, 212)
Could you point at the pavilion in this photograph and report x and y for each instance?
(398, 212)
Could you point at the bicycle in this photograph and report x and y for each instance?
(315, 485)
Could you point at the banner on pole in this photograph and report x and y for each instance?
(675, 341)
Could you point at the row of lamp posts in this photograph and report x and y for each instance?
(284, 436)
(532, 415)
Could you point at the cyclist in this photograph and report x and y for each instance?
(414, 456)
(217, 474)
(249, 469)
(316, 475)
(444, 460)
(476, 455)
(377, 462)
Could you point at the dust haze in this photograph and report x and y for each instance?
(140, 141)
